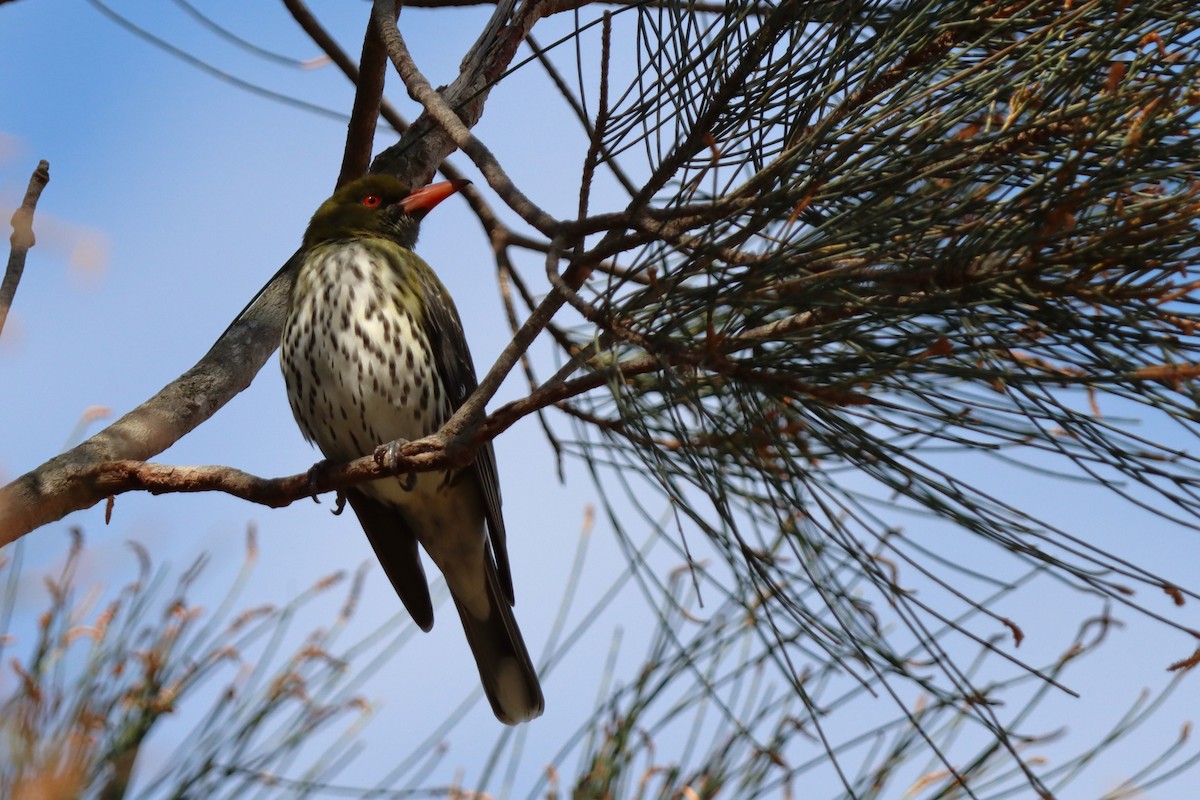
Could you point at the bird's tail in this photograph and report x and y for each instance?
(505, 669)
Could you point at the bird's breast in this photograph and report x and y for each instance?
(356, 360)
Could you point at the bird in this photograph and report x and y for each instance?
(373, 351)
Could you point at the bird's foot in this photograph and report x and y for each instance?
(388, 457)
(315, 472)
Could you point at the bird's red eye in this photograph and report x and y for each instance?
(371, 201)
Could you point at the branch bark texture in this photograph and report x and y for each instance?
(22, 238)
(71, 481)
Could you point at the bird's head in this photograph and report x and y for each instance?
(377, 205)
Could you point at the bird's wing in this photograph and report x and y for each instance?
(452, 359)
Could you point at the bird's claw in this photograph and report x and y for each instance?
(315, 472)
(388, 457)
(314, 478)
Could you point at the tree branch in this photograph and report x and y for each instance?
(430, 454)
(455, 119)
(368, 77)
(360, 134)
(67, 482)
(22, 238)
(54, 489)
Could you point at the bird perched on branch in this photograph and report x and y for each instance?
(373, 351)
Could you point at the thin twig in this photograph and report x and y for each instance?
(423, 455)
(22, 238)
(329, 46)
(504, 277)
(57, 487)
(360, 135)
(310, 25)
(597, 131)
(210, 69)
(448, 119)
(560, 84)
(437, 108)
(245, 44)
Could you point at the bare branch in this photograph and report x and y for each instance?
(57, 487)
(342, 61)
(610, 161)
(22, 238)
(455, 121)
(369, 102)
(423, 455)
(360, 136)
(597, 132)
(54, 489)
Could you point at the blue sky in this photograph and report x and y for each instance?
(194, 192)
(173, 198)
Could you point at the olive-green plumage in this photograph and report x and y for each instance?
(373, 351)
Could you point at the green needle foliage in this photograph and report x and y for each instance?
(707, 683)
(865, 256)
(878, 249)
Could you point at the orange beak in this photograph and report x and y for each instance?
(422, 200)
